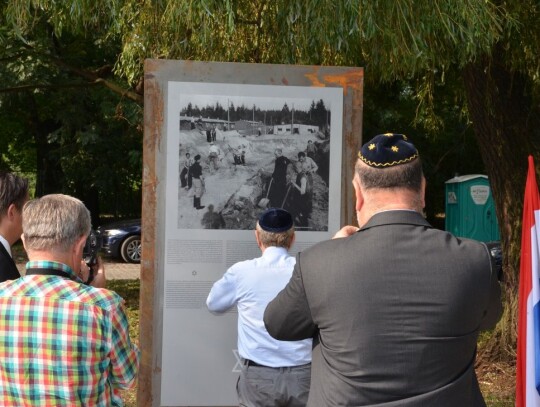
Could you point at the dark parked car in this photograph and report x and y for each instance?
(122, 239)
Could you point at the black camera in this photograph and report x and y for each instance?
(90, 253)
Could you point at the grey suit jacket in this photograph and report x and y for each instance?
(8, 268)
(395, 312)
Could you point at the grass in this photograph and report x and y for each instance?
(129, 291)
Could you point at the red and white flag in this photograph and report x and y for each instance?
(528, 339)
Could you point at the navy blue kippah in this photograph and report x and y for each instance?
(275, 220)
(387, 150)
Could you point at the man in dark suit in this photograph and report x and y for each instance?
(13, 195)
(394, 306)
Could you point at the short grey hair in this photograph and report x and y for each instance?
(54, 222)
(271, 239)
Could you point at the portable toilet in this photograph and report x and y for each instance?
(470, 210)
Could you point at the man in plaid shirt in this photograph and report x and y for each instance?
(62, 342)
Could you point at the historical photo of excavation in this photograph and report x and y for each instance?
(241, 153)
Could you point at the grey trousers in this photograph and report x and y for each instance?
(260, 386)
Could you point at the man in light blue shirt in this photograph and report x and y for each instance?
(274, 373)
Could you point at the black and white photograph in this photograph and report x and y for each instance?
(240, 154)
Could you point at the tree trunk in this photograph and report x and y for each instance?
(504, 121)
(48, 170)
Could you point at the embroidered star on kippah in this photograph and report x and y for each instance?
(371, 146)
(395, 149)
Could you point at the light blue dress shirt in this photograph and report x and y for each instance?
(251, 285)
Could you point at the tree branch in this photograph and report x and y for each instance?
(23, 88)
(93, 77)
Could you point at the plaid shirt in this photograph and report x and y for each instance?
(62, 343)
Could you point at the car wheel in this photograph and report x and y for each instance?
(131, 249)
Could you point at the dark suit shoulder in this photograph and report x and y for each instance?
(8, 268)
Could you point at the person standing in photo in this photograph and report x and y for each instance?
(185, 176)
(213, 157)
(302, 200)
(274, 373)
(394, 306)
(198, 182)
(243, 157)
(311, 149)
(278, 183)
(306, 165)
(13, 195)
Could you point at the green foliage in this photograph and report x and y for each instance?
(395, 39)
(418, 42)
(77, 137)
(398, 40)
(449, 149)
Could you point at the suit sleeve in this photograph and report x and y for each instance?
(288, 317)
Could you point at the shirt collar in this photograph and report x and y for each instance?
(274, 251)
(47, 264)
(397, 216)
(5, 243)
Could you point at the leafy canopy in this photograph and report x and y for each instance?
(397, 39)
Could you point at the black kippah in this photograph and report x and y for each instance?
(275, 220)
(387, 150)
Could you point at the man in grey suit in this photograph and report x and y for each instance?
(395, 306)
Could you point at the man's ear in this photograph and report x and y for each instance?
(292, 240)
(10, 214)
(358, 193)
(258, 240)
(424, 184)
(78, 248)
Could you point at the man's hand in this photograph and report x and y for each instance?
(99, 280)
(346, 231)
(84, 271)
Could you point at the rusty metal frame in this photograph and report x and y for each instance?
(157, 74)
